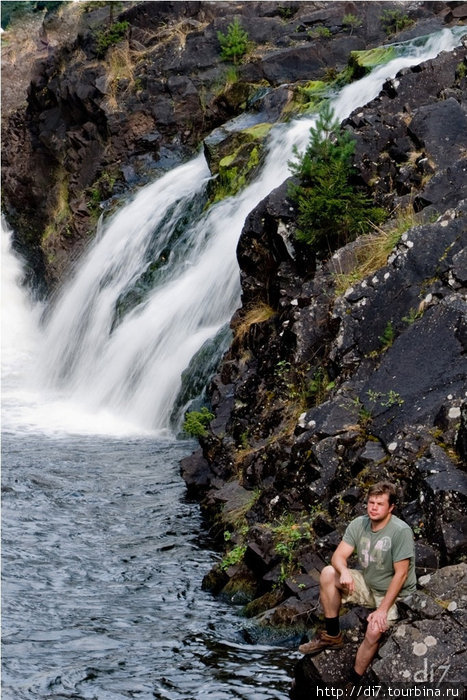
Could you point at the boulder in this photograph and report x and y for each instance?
(195, 472)
(441, 130)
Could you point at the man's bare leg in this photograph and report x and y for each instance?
(367, 650)
(330, 591)
(330, 596)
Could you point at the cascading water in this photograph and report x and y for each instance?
(102, 559)
(133, 368)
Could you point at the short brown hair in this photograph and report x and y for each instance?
(384, 487)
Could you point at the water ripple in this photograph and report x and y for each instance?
(102, 571)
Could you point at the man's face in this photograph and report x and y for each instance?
(378, 507)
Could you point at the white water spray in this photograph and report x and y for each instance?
(131, 370)
(20, 317)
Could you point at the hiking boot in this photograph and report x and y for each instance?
(322, 641)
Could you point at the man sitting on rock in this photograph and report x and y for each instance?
(385, 550)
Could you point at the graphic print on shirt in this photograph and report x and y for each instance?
(376, 555)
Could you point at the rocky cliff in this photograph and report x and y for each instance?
(342, 369)
(345, 371)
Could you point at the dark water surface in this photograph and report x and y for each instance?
(102, 570)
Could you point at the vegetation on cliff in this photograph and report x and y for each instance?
(235, 43)
(331, 209)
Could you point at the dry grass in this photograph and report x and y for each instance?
(61, 212)
(177, 29)
(374, 249)
(120, 64)
(257, 314)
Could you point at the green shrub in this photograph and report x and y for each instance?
(286, 12)
(331, 210)
(352, 22)
(461, 71)
(235, 43)
(233, 557)
(320, 32)
(394, 21)
(196, 422)
(110, 37)
(388, 336)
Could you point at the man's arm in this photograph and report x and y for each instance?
(378, 618)
(339, 562)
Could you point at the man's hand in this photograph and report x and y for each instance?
(378, 620)
(347, 581)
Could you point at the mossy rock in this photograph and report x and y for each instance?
(307, 98)
(242, 587)
(362, 62)
(235, 160)
(313, 93)
(265, 602)
(215, 580)
(222, 143)
(234, 96)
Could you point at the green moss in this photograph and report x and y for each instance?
(363, 62)
(236, 168)
(265, 602)
(259, 131)
(227, 161)
(307, 98)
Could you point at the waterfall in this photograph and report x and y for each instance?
(162, 279)
(20, 317)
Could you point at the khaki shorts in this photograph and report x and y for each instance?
(362, 595)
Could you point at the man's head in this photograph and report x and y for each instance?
(384, 487)
(381, 501)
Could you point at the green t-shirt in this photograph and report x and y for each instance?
(377, 551)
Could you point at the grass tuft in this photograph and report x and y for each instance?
(374, 249)
(257, 314)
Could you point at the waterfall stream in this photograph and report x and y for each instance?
(103, 555)
(132, 369)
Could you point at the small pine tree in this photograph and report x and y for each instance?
(235, 43)
(331, 210)
(352, 22)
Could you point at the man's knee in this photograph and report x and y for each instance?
(328, 576)
(372, 635)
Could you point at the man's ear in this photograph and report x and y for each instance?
(391, 507)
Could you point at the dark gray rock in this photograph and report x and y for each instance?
(425, 646)
(195, 472)
(441, 129)
(459, 268)
(373, 452)
(426, 558)
(331, 417)
(461, 441)
(449, 585)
